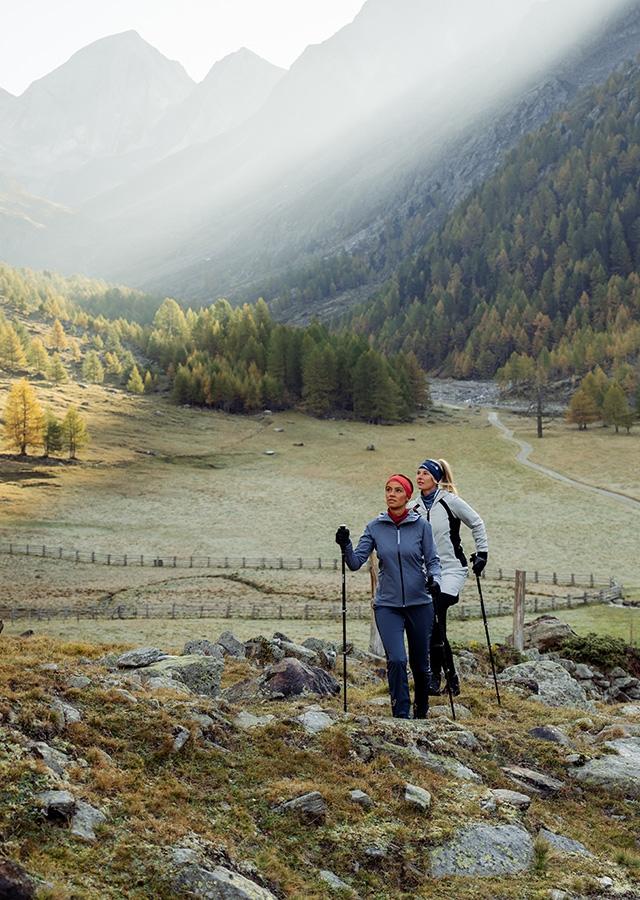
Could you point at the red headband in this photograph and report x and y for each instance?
(407, 485)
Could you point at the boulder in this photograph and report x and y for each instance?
(515, 799)
(231, 646)
(619, 772)
(15, 882)
(335, 883)
(325, 651)
(217, 884)
(79, 682)
(484, 851)
(163, 683)
(291, 677)
(247, 720)
(53, 759)
(361, 799)
(550, 733)
(180, 737)
(141, 656)
(64, 713)
(263, 651)
(203, 647)
(417, 796)
(84, 820)
(298, 651)
(201, 674)
(311, 807)
(562, 844)
(545, 633)
(550, 682)
(314, 720)
(446, 765)
(534, 781)
(56, 804)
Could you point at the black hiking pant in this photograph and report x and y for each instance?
(441, 655)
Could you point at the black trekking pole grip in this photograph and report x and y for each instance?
(344, 630)
(486, 631)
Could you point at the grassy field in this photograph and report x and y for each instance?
(167, 480)
(598, 456)
(172, 634)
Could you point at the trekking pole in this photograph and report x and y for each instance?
(486, 631)
(344, 629)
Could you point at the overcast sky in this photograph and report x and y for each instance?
(36, 36)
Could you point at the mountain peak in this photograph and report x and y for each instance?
(242, 58)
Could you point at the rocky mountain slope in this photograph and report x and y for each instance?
(231, 770)
(347, 141)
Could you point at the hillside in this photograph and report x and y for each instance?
(542, 258)
(142, 775)
(348, 137)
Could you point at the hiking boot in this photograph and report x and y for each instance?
(434, 685)
(420, 710)
(454, 684)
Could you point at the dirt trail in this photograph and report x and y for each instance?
(523, 457)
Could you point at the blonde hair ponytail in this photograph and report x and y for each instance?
(447, 483)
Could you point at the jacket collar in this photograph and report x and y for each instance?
(417, 503)
(411, 517)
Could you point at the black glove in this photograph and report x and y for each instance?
(478, 562)
(434, 588)
(342, 536)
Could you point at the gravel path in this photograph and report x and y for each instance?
(523, 457)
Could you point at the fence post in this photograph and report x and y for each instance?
(319, 562)
(77, 556)
(124, 560)
(93, 556)
(43, 550)
(281, 563)
(208, 562)
(226, 562)
(175, 561)
(299, 562)
(147, 611)
(535, 576)
(10, 549)
(191, 562)
(201, 611)
(108, 559)
(591, 583)
(141, 560)
(568, 601)
(27, 550)
(573, 578)
(499, 574)
(555, 577)
(518, 610)
(173, 611)
(59, 552)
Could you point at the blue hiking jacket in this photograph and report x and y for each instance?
(406, 554)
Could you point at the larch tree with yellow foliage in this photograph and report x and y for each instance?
(23, 417)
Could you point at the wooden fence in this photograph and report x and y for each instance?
(264, 562)
(290, 609)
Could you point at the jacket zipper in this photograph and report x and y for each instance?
(404, 601)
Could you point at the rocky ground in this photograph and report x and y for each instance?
(231, 770)
(473, 393)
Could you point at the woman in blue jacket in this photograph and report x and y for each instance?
(408, 568)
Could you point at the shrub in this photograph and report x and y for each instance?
(601, 650)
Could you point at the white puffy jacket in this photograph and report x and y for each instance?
(445, 515)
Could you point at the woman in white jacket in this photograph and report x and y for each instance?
(440, 504)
